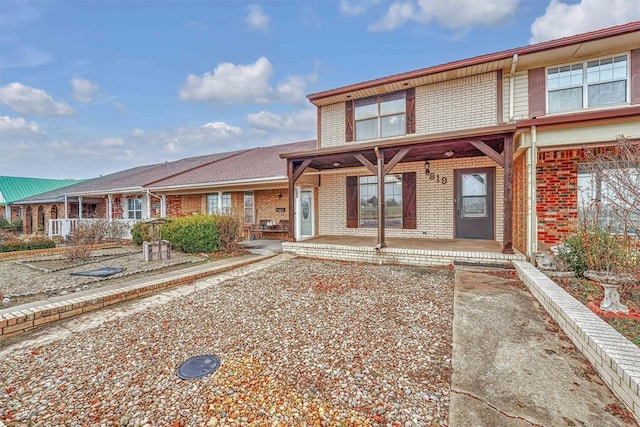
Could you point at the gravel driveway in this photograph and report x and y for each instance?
(303, 342)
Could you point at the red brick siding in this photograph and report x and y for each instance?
(557, 193)
(520, 203)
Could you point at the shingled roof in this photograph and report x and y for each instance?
(262, 163)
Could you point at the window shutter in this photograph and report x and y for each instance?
(537, 95)
(411, 110)
(635, 76)
(352, 202)
(409, 200)
(348, 116)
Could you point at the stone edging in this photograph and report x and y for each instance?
(615, 358)
(18, 322)
(56, 250)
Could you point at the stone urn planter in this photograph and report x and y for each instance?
(611, 283)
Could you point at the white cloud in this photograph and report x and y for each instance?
(119, 106)
(221, 128)
(453, 14)
(236, 84)
(355, 7)
(112, 142)
(19, 125)
(565, 19)
(28, 100)
(84, 90)
(257, 19)
(137, 132)
(299, 121)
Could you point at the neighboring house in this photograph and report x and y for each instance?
(222, 182)
(482, 148)
(13, 188)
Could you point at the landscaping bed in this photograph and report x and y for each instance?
(587, 291)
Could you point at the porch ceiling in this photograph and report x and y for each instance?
(420, 149)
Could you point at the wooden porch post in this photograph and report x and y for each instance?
(507, 232)
(292, 200)
(380, 172)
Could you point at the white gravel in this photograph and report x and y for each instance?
(304, 342)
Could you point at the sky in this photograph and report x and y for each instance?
(88, 88)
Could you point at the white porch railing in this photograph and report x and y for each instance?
(64, 227)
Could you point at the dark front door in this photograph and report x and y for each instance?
(474, 203)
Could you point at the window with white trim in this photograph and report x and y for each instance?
(134, 208)
(588, 84)
(248, 207)
(212, 203)
(380, 116)
(225, 207)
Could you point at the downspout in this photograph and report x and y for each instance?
(157, 196)
(514, 64)
(533, 203)
(148, 204)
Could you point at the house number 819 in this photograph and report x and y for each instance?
(437, 178)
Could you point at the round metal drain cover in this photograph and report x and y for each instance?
(198, 366)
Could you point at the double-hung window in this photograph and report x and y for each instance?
(248, 207)
(588, 84)
(212, 203)
(219, 203)
(369, 201)
(380, 116)
(225, 206)
(134, 208)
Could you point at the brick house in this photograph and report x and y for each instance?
(252, 182)
(485, 148)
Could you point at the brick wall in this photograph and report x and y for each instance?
(557, 193)
(520, 203)
(457, 104)
(434, 201)
(266, 202)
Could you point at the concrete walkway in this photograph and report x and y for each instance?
(513, 367)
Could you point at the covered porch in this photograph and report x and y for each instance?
(407, 251)
(429, 199)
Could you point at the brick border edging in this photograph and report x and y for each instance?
(18, 322)
(56, 250)
(615, 358)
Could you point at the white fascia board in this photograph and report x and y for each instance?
(110, 191)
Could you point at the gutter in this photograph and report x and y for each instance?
(514, 64)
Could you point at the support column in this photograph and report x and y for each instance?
(292, 200)
(109, 207)
(507, 232)
(66, 207)
(80, 207)
(380, 174)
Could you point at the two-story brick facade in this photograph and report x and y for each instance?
(483, 148)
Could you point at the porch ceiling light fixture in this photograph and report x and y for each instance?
(336, 164)
(426, 167)
(448, 153)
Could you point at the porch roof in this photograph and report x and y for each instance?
(422, 147)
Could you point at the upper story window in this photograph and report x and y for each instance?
(380, 116)
(588, 84)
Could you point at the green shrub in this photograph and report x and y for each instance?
(140, 232)
(598, 249)
(192, 234)
(27, 245)
(6, 224)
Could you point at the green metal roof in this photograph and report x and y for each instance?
(14, 188)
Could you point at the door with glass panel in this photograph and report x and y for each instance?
(474, 202)
(305, 213)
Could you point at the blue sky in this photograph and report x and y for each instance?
(93, 87)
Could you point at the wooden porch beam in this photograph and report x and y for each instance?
(396, 159)
(507, 232)
(366, 163)
(380, 174)
(489, 152)
(297, 172)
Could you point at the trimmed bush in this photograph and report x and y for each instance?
(229, 232)
(35, 243)
(192, 234)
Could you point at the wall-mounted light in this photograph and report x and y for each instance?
(448, 153)
(336, 164)
(426, 167)
(279, 195)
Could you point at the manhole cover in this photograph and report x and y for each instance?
(198, 367)
(99, 272)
